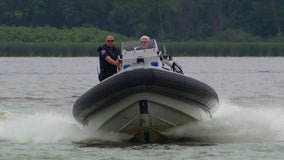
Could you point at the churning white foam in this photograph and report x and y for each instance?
(233, 123)
(40, 127)
(48, 127)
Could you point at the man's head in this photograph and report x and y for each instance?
(110, 41)
(145, 42)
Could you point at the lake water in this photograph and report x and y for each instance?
(37, 95)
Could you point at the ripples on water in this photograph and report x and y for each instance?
(37, 95)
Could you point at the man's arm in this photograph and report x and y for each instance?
(111, 61)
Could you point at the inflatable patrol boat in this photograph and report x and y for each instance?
(148, 96)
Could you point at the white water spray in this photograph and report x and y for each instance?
(48, 127)
(231, 123)
(234, 123)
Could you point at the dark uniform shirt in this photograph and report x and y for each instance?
(107, 69)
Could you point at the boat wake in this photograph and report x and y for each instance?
(48, 127)
(231, 123)
(37, 128)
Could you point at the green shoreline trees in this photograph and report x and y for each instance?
(191, 27)
(183, 20)
(83, 41)
(51, 41)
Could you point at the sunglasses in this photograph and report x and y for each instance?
(110, 40)
(144, 41)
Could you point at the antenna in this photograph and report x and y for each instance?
(162, 28)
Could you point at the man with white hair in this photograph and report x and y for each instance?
(145, 42)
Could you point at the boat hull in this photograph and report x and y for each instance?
(143, 102)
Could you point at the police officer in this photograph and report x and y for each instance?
(109, 61)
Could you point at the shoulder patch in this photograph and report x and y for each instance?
(103, 52)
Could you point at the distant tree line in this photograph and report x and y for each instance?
(55, 35)
(222, 20)
(84, 41)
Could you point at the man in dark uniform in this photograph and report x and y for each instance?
(109, 61)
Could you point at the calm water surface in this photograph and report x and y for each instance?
(37, 95)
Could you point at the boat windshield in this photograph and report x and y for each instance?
(137, 45)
